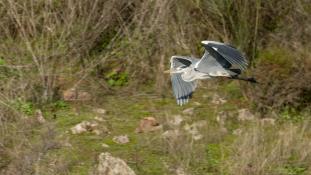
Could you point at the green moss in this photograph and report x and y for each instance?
(2, 62)
(277, 56)
(290, 114)
(292, 170)
(232, 89)
(25, 107)
(213, 155)
(117, 78)
(60, 104)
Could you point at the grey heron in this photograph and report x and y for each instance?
(219, 60)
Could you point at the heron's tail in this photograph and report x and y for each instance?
(251, 79)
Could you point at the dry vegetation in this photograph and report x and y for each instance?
(107, 46)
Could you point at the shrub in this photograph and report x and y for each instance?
(284, 81)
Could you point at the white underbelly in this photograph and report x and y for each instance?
(219, 74)
(192, 75)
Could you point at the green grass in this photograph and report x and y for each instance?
(143, 153)
(148, 153)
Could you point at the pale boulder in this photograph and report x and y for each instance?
(89, 126)
(109, 165)
(99, 111)
(217, 100)
(193, 129)
(267, 121)
(73, 94)
(148, 124)
(171, 134)
(40, 117)
(245, 115)
(122, 139)
(188, 111)
(176, 120)
(237, 132)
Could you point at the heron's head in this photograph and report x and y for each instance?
(205, 42)
(175, 70)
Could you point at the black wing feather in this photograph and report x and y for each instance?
(220, 59)
(230, 54)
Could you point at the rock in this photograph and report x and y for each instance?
(99, 111)
(221, 118)
(84, 96)
(97, 132)
(167, 166)
(237, 132)
(66, 143)
(223, 130)
(100, 119)
(89, 126)
(177, 170)
(122, 139)
(148, 124)
(193, 129)
(188, 111)
(200, 124)
(104, 145)
(109, 165)
(79, 128)
(205, 96)
(40, 117)
(245, 115)
(176, 120)
(171, 134)
(217, 100)
(69, 94)
(73, 94)
(197, 103)
(197, 137)
(267, 121)
(180, 171)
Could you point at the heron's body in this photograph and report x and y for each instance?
(191, 75)
(219, 60)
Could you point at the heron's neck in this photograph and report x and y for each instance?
(190, 75)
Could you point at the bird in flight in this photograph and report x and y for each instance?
(219, 60)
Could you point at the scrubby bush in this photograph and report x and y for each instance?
(48, 40)
(284, 81)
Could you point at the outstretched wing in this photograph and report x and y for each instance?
(213, 64)
(229, 53)
(177, 61)
(182, 90)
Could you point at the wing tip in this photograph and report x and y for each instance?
(184, 100)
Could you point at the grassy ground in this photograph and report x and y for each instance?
(283, 148)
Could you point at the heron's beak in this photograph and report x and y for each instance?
(167, 71)
(204, 42)
(171, 71)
